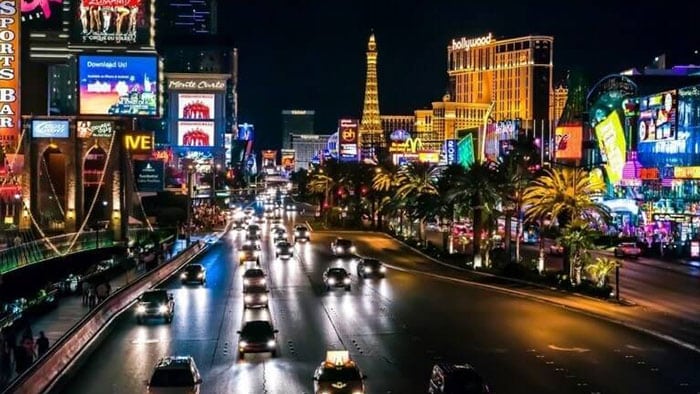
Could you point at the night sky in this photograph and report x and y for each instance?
(311, 54)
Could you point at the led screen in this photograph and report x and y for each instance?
(195, 106)
(611, 140)
(118, 85)
(111, 22)
(195, 133)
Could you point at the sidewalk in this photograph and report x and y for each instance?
(70, 309)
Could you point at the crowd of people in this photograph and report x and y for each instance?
(19, 355)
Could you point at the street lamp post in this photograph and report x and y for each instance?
(215, 169)
(190, 169)
(540, 261)
(617, 282)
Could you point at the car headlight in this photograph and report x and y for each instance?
(162, 308)
(262, 281)
(352, 249)
(358, 392)
(331, 281)
(246, 282)
(242, 344)
(279, 250)
(367, 270)
(263, 298)
(346, 281)
(200, 275)
(296, 233)
(382, 269)
(140, 309)
(183, 276)
(338, 249)
(248, 298)
(271, 343)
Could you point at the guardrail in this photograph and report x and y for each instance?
(49, 371)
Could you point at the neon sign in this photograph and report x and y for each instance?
(411, 145)
(467, 43)
(611, 141)
(45, 5)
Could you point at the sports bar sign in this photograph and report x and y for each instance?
(10, 21)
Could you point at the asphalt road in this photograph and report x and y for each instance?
(395, 328)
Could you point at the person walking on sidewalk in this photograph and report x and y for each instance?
(101, 292)
(42, 344)
(92, 297)
(86, 291)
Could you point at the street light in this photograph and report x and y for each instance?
(540, 261)
(215, 169)
(190, 171)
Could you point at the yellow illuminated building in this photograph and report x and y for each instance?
(398, 122)
(558, 101)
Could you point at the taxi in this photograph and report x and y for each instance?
(338, 374)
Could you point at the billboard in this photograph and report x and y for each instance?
(195, 133)
(465, 149)
(95, 128)
(657, 117)
(288, 158)
(149, 175)
(42, 15)
(611, 141)
(118, 85)
(568, 142)
(139, 142)
(246, 132)
(9, 74)
(111, 22)
(347, 139)
(269, 158)
(50, 128)
(451, 151)
(195, 106)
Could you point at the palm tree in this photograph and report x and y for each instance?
(383, 185)
(477, 188)
(577, 239)
(564, 195)
(415, 182)
(320, 183)
(601, 268)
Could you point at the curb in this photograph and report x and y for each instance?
(521, 294)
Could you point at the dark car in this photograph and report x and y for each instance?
(336, 277)
(627, 249)
(456, 379)
(280, 235)
(284, 250)
(194, 273)
(338, 374)
(238, 225)
(254, 277)
(342, 247)
(301, 233)
(257, 336)
(175, 373)
(155, 303)
(370, 267)
(255, 297)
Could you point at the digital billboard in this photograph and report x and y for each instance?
(465, 149)
(42, 14)
(288, 158)
(347, 139)
(111, 22)
(657, 117)
(611, 141)
(95, 128)
(118, 85)
(50, 128)
(246, 132)
(10, 37)
(195, 106)
(195, 133)
(568, 142)
(149, 175)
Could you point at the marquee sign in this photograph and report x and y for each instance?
(139, 142)
(467, 43)
(411, 145)
(208, 84)
(10, 55)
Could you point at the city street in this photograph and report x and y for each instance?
(395, 328)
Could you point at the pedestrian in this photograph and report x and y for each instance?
(86, 291)
(5, 362)
(42, 344)
(92, 297)
(101, 291)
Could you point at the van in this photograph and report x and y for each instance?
(456, 379)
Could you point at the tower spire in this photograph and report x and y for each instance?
(371, 133)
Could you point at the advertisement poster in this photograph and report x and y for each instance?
(568, 143)
(50, 128)
(465, 149)
(118, 85)
(149, 175)
(195, 133)
(288, 157)
(9, 70)
(195, 106)
(347, 139)
(95, 128)
(611, 141)
(269, 158)
(111, 22)
(42, 15)
(657, 117)
(246, 131)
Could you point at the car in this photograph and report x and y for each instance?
(175, 374)
(254, 277)
(194, 273)
(249, 211)
(255, 297)
(284, 250)
(290, 207)
(338, 374)
(627, 249)
(260, 219)
(342, 247)
(253, 238)
(269, 213)
(249, 252)
(254, 229)
(456, 379)
(370, 267)
(279, 236)
(155, 304)
(336, 277)
(556, 249)
(239, 225)
(257, 336)
(301, 233)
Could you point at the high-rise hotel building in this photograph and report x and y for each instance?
(500, 79)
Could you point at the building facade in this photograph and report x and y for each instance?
(390, 123)
(296, 121)
(307, 148)
(558, 102)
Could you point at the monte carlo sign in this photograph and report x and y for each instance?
(10, 21)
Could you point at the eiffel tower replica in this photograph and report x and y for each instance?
(371, 133)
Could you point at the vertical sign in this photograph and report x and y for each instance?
(347, 139)
(466, 151)
(288, 156)
(611, 141)
(451, 152)
(9, 74)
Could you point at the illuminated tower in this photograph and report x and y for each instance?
(371, 134)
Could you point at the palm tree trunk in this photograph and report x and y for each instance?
(507, 236)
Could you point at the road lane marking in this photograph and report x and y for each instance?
(144, 341)
(569, 349)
